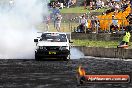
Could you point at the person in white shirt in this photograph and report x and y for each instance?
(117, 7)
(114, 25)
(83, 24)
(102, 3)
(83, 20)
(98, 3)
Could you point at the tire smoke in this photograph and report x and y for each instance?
(76, 54)
(18, 21)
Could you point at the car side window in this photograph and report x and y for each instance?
(63, 37)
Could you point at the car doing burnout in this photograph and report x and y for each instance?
(52, 45)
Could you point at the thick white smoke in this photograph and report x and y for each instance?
(18, 21)
(76, 54)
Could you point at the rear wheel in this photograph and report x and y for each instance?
(37, 58)
(66, 58)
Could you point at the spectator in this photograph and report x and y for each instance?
(114, 25)
(117, 7)
(91, 5)
(54, 13)
(64, 3)
(93, 23)
(123, 6)
(110, 4)
(82, 24)
(97, 24)
(102, 3)
(85, 4)
(129, 17)
(58, 22)
(46, 22)
(61, 6)
(98, 4)
(55, 10)
(74, 2)
(68, 3)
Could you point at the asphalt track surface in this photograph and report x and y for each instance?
(22, 73)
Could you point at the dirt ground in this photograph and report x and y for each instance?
(20, 73)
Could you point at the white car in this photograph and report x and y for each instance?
(52, 45)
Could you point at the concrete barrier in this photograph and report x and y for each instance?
(106, 52)
(100, 37)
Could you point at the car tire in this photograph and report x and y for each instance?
(37, 58)
(66, 58)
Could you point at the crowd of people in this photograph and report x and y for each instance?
(97, 4)
(84, 25)
(62, 3)
(114, 24)
(94, 25)
(118, 6)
